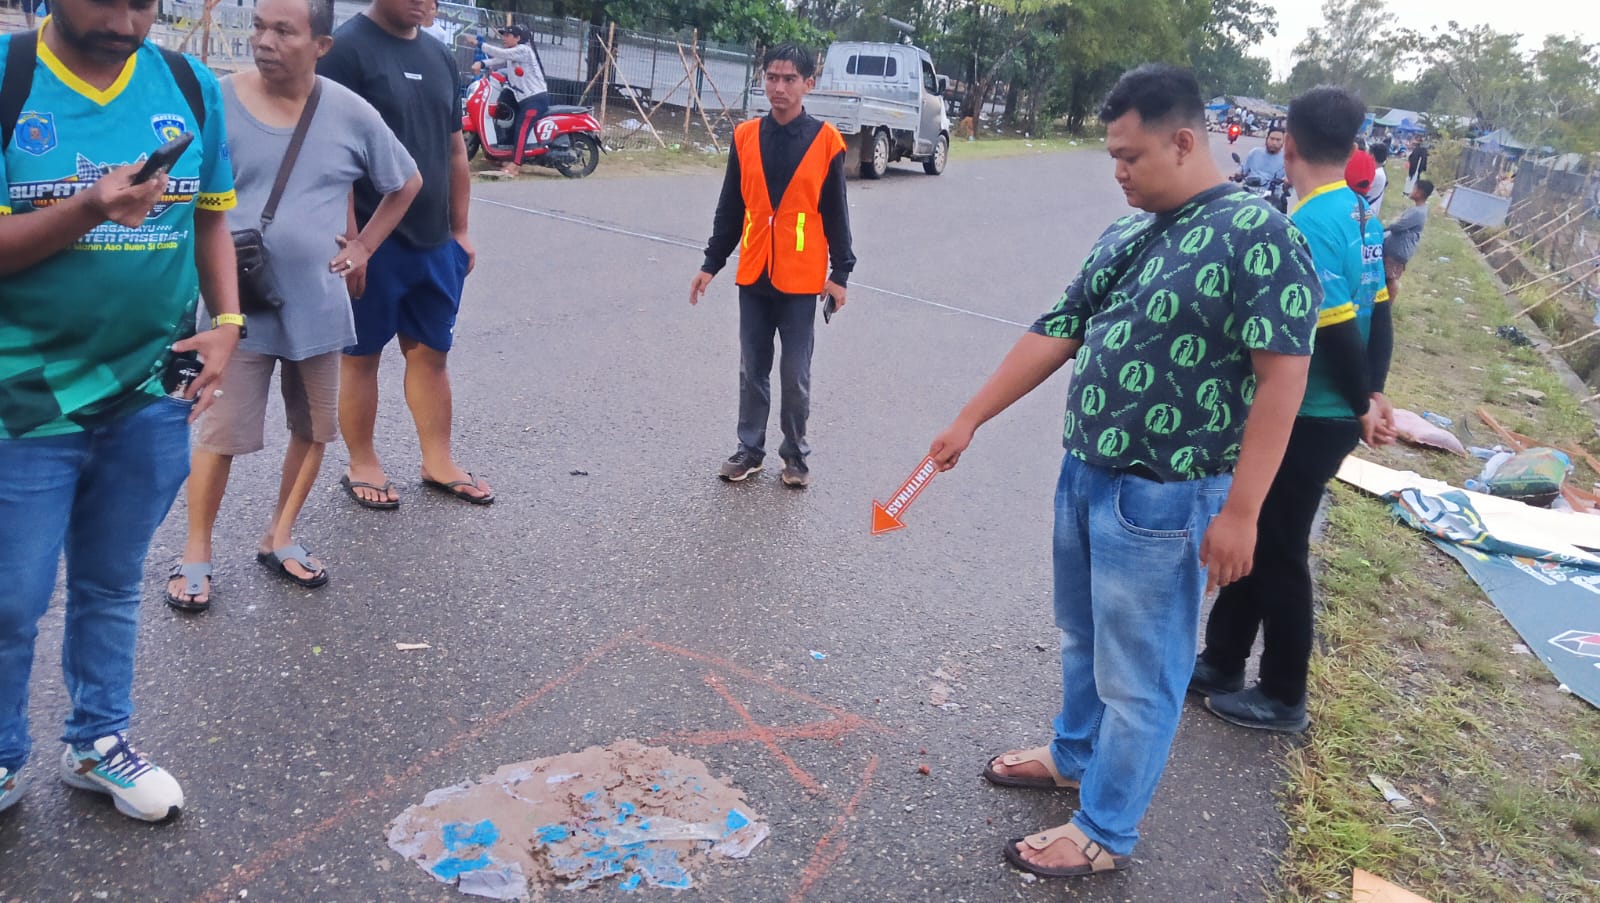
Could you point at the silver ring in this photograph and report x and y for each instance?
(216, 393)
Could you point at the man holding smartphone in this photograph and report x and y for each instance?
(783, 206)
(94, 403)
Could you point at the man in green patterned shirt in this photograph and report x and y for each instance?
(1191, 327)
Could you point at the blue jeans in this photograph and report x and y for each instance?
(1128, 585)
(99, 496)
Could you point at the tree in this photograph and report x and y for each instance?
(1485, 66)
(1566, 91)
(1217, 50)
(1356, 47)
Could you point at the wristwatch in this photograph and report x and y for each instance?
(231, 320)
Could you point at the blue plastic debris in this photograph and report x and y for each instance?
(553, 834)
(461, 834)
(819, 656)
(736, 820)
(451, 868)
(631, 883)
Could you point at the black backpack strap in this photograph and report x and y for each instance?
(189, 84)
(21, 57)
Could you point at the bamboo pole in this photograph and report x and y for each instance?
(694, 100)
(633, 93)
(688, 107)
(1554, 231)
(605, 87)
(1527, 285)
(724, 115)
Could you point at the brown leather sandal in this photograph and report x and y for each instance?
(1040, 754)
(1100, 858)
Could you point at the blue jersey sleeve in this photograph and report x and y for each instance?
(216, 167)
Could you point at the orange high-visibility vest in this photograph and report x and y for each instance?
(787, 244)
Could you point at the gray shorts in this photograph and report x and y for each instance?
(235, 425)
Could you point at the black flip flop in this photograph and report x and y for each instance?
(192, 574)
(457, 489)
(278, 560)
(350, 487)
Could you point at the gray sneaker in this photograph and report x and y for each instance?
(10, 787)
(796, 475)
(1254, 709)
(1209, 680)
(739, 467)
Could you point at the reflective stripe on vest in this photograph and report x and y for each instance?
(765, 249)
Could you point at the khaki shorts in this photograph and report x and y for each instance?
(235, 425)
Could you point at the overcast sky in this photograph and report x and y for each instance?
(1532, 18)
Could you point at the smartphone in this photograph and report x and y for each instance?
(829, 306)
(163, 158)
(182, 369)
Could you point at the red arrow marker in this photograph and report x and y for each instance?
(886, 518)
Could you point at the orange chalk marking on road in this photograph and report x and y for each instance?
(764, 736)
(833, 845)
(886, 517)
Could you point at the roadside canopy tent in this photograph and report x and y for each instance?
(1400, 120)
(1259, 107)
(1499, 138)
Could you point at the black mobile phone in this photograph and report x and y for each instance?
(163, 158)
(182, 369)
(829, 307)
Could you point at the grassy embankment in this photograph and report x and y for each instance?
(1418, 677)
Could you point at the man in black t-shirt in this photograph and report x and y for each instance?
(412, 286)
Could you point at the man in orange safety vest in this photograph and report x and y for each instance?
(783, 207)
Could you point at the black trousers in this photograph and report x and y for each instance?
(1276, 597)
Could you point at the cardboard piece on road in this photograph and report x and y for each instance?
(1562, 532)
(637, 814)
(1366, 887)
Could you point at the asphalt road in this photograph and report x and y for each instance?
(645, 598)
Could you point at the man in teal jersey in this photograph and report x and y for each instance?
(1346, 380)
(100, 373)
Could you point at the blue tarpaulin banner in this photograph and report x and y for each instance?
(1551, 599)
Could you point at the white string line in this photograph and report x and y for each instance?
(693, 246)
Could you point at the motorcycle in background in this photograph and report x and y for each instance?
(566, 138)
(1234, 130)
(1274, 191)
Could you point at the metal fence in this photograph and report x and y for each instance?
(1553, 224)
(655, 89)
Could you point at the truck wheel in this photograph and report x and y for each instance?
(941, 155)
(875, 162)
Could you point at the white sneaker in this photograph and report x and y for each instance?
(10, 787)
(140, 790)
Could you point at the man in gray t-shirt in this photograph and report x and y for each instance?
(1401, 237)
(310, 259)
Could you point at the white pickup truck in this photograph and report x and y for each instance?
(887, 102)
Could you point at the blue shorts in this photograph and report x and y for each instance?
(412, 292)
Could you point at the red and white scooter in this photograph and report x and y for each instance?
(566, 138)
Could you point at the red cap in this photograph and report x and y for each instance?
(1360, 171)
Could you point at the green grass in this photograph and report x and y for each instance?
(989, 146)
(1415, 679)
